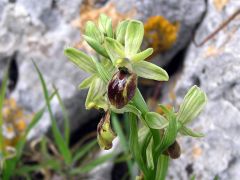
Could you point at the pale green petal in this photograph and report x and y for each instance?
(105, 25)
(192, 105)
(150, 71)
(80, 59)
(87, 82)
(155, 120)
(96, 45)
(142, 55)
(133, 37)
(114, 49)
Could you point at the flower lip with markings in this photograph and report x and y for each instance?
(121, 88)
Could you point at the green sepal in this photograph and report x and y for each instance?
(93, 32)
(155, 120)
(133, 37)
(142, 55)
(121, 31)
(188, 132)
(192, 105)
(105, 25)
(80, 59)
(114, 49)
(96, 46)
(150, 71)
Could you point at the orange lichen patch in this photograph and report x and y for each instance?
(160, 34)
(89, 12)
(196, 151)
(220, 4)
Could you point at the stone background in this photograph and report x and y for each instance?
(39, 31)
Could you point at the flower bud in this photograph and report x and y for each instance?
(174, 151)
(121, 88)
(105, 135)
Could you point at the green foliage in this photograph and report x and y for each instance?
(67, 165)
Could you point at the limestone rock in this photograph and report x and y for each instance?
(215, 68)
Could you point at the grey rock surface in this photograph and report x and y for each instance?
(39, 31)
(215, 68)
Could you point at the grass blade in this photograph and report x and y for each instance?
(84, 150)
(90, 166)
(61, 144)
(65, 116)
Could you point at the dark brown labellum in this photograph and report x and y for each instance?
(121, 88)
(174, 151)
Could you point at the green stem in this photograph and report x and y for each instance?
(162, 167)
(140, 103)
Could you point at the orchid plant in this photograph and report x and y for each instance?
(113, 87)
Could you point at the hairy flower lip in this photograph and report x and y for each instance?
(121, 88)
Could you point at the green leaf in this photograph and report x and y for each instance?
(192, 105)
(133, 37)
(155, 120)
(188, 132)
(86, 83)
(59, 140)
(105, 25)
(121, 31)
(81, 60)
(150, 71)
(84, 150)
(96, 90)
(93, 32)
(96, 46)
(93, 164)
(142, 55)
(149, 155)
(114, 49)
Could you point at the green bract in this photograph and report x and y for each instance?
(113, 87)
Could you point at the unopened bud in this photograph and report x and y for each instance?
(105, 135)
(174, 151)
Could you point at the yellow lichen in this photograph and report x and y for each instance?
(160, 34)
(15, 122)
